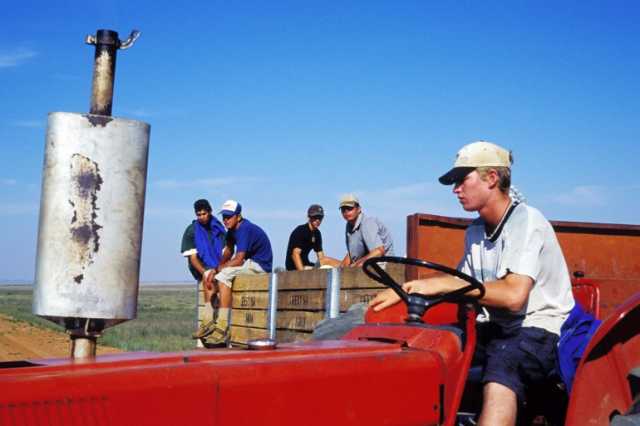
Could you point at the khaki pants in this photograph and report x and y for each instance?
(249, 267)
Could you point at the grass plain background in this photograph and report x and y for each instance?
(166, 318)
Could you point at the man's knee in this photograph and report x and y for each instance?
(498, 391)
(226, 276)
(500, 405)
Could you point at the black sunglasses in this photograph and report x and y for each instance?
(318, 217)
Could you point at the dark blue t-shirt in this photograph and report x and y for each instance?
(252, 240)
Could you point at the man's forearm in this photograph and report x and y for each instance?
(378, 251)
(237, 260)
(226, 255)
(509, 293)
(195, 262)
(297, 259)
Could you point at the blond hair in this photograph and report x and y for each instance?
(504, 176)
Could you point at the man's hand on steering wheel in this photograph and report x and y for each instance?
(433, 286)
(384, 299)
(453, 286)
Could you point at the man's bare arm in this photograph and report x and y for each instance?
(378, 251)
(297, 259)
(510, 292)
(236, 260)
(194, 260)
(227, 252)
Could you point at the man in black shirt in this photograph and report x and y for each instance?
(305, 238)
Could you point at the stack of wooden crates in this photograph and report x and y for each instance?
(302, 299)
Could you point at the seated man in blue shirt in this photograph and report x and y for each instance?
(247, 251)
(202, 245)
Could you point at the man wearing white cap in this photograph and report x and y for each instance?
(513, 250)
(366, 236)
(253, 255)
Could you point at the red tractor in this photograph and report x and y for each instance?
(407, 365)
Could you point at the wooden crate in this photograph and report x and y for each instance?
(250, 308)
(357, 287)
(301, 301)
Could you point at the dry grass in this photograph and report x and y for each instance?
(166, 318)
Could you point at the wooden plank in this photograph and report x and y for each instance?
(250, 318)
(251, 282)
(298, 320)
(350, 297)
(243, 334)
(250, 300)
(356, 278)
(292, 336)
(304, 300)
(315, 279)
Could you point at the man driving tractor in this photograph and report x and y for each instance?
(512, 249)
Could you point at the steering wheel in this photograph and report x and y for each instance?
(417, 304)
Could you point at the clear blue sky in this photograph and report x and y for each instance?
(281, 104)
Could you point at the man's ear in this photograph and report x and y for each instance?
(492, 178)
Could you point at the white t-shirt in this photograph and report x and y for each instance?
(523, 243)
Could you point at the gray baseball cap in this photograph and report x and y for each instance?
(315, 210)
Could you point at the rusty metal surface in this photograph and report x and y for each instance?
(104, 69)
(605, 252)
(91, 213)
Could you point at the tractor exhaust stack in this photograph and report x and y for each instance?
(91, 211)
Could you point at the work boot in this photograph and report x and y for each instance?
(220, 335)
(206, 328)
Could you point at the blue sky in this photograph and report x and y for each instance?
(282, 104)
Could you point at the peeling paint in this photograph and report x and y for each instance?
(85, 186)
(91, 218)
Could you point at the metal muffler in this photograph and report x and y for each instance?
(91, 211)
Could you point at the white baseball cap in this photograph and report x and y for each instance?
(474, 155)
(230, 208)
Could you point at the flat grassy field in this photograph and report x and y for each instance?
(166, 318)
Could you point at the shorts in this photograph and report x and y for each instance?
(516, 360)
(226, 275)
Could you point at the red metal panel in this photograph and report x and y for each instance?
(587, 293)
(456, 358)
(339, 382)
(115, 395)
(601, 387)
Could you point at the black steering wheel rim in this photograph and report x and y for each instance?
(417, 304)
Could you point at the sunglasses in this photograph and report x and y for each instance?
(316, 217)
(347, 208)
(227, 217)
